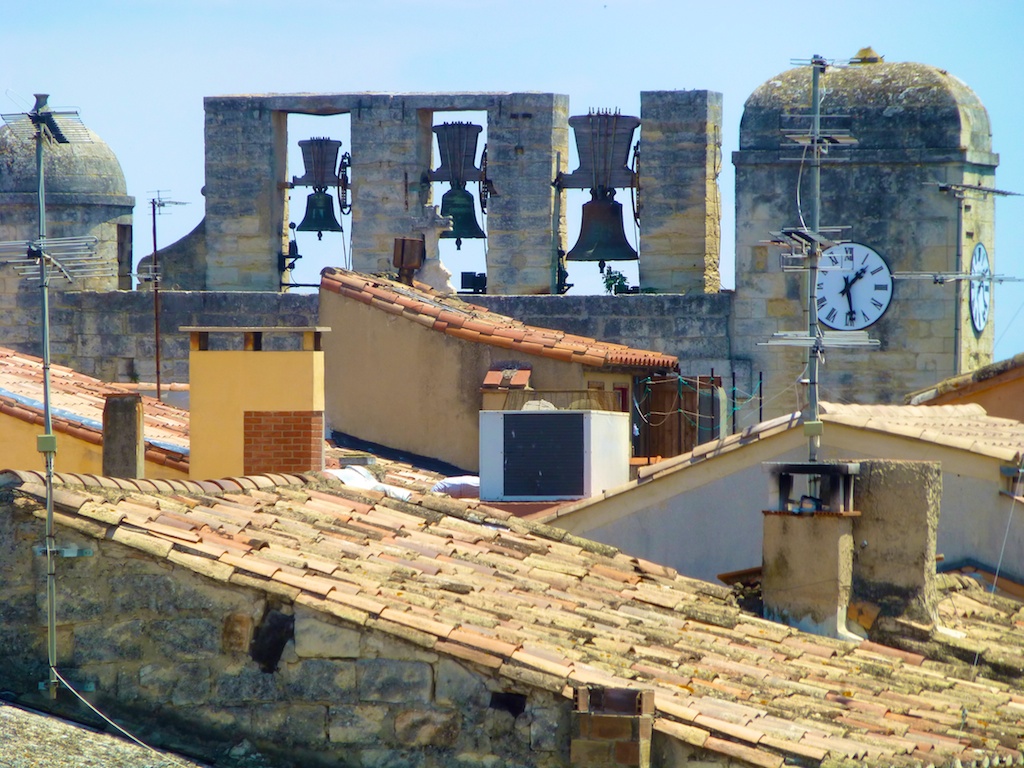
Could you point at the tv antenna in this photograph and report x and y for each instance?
(810, 241)
(157, 204)
(62, 257)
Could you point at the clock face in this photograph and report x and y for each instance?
(854, 287)
(980, 289)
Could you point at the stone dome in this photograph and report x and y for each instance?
(82, 168)
(901, 106)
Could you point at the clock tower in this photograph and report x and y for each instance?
(908, 197)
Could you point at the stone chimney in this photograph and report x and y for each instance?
(820, 554)
(124, 448)
(255, 411)
(807, 569)
(894, 538)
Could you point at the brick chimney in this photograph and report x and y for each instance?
(611, 727)
(255, 410)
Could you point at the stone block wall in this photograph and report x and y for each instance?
(391, 148)
(694, 327)
(168, 652)
(246, 164)
(527, 146)
(111, 335)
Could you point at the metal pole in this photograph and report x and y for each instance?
(817, 67)
(48, 443)
(958, 324)
(732, 402)
(156, 300)
(760, 396)
(556, 216)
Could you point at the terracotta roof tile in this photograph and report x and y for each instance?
(540, 609)
(447, 314)
(77, 401)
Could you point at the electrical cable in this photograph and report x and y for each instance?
(164, 757)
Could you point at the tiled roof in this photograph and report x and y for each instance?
(76, 403)
(32, 738)
(967, 427)
(473, 323)
(547, 609)
(1013, 365)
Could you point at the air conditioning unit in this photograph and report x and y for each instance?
(552, 455)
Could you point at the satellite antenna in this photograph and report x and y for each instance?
(157, 204)
(811, 241)
(62, 257)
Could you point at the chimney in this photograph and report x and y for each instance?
(256, 410)
(124, 448)
(807, 569)
(820, 555)
(611, 728)
(894, 539)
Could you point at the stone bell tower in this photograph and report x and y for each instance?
(911, 189)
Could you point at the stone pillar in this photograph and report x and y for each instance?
(679, 198)
(807, 570)
(246, 165)
(611, 727)
(895, 536)
(527, 145)
(124, 448)
(391, 151)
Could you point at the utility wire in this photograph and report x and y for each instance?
(165, 758)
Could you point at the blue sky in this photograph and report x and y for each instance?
(138, 71)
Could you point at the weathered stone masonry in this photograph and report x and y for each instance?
(168, 652)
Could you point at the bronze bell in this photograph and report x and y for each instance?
(319, 216)
(458, 203)
(602, 235)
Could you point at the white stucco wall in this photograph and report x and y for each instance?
(706, 519)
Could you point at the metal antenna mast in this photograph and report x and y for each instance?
(156, 205)
(67, 256)
(810, 242)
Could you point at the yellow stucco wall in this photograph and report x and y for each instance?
(394, 382)
(18, 451)
(226, 384)
(1001, 395)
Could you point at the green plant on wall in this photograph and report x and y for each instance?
(614, 281)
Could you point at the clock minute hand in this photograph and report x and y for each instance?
(848, 293)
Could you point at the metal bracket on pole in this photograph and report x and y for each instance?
(83, 687)
(70, 551)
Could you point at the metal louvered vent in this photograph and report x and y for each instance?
(544, 454)
(549, 454)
